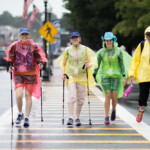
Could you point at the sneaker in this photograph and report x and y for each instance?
(78, 123)
(18, 120)
(70, 122)
(139, 116)
(113, 115)
(26, 122)
(106, 121)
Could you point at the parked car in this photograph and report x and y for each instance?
(3, 62)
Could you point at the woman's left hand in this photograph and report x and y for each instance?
(87, 65)
(124, 81)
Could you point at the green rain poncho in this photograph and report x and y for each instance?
(73, 66)
(112, 63)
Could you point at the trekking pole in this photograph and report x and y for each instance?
(41, 98)
(11, 99)
(64, 98)
(90, 123)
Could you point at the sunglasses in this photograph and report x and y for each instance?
(74, 37)
(25, 34)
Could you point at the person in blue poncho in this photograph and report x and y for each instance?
(111, 73)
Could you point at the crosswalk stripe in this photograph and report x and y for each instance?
(75, 134)
(68, 128)
(61, 115)
(57, 123)
(69, 149)
(77, 141)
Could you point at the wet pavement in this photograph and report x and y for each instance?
(52, 134)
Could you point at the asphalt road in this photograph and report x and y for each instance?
(5, 91)
(130, 105)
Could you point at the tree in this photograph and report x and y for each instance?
(6, 18)
(92, 19)
(135, 17)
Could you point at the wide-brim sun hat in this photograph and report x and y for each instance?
(109, 36)
(24, 30)
(74, 34)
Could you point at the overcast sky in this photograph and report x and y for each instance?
(15, 7)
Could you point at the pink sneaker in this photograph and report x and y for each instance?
(139, 116)
(106, 121)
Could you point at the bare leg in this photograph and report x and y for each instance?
(71, 109)
(107, 103)
(114, 100)
(28, 102)
(19, 96)
(78, 110)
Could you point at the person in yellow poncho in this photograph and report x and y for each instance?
(140, 69)
(73, 59)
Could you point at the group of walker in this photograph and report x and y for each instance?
(111, 66)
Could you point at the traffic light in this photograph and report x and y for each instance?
(42, 36)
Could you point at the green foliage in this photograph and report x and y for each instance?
(7, 19)
(130, 11)
(92, 19)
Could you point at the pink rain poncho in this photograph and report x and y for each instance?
(25, 57)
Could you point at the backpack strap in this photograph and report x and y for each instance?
(67, 52)
(142, 45)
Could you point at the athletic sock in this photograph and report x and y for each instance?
(27, 117)
(141, 109)
(20, 113)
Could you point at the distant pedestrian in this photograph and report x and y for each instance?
(111, 73)
(26, 59)
(73, 59)
(140, 69)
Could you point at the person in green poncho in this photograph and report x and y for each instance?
(111, 73)
(72, 61)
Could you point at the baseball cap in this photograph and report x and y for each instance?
(74, 34)
(24, 30)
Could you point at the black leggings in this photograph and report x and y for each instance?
(144, 93)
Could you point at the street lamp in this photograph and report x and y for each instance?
(46, 70)
(50, 53)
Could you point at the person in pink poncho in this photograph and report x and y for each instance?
(25, 59)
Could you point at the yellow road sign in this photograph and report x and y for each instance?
(48, 31)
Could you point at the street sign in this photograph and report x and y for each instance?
(48, 31)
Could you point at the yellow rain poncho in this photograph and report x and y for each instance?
(75, 59)
(140, 64)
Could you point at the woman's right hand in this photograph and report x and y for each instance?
(63, 77)
(10, 69)
(131, 79)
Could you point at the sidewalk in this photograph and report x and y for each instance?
(52, 134)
